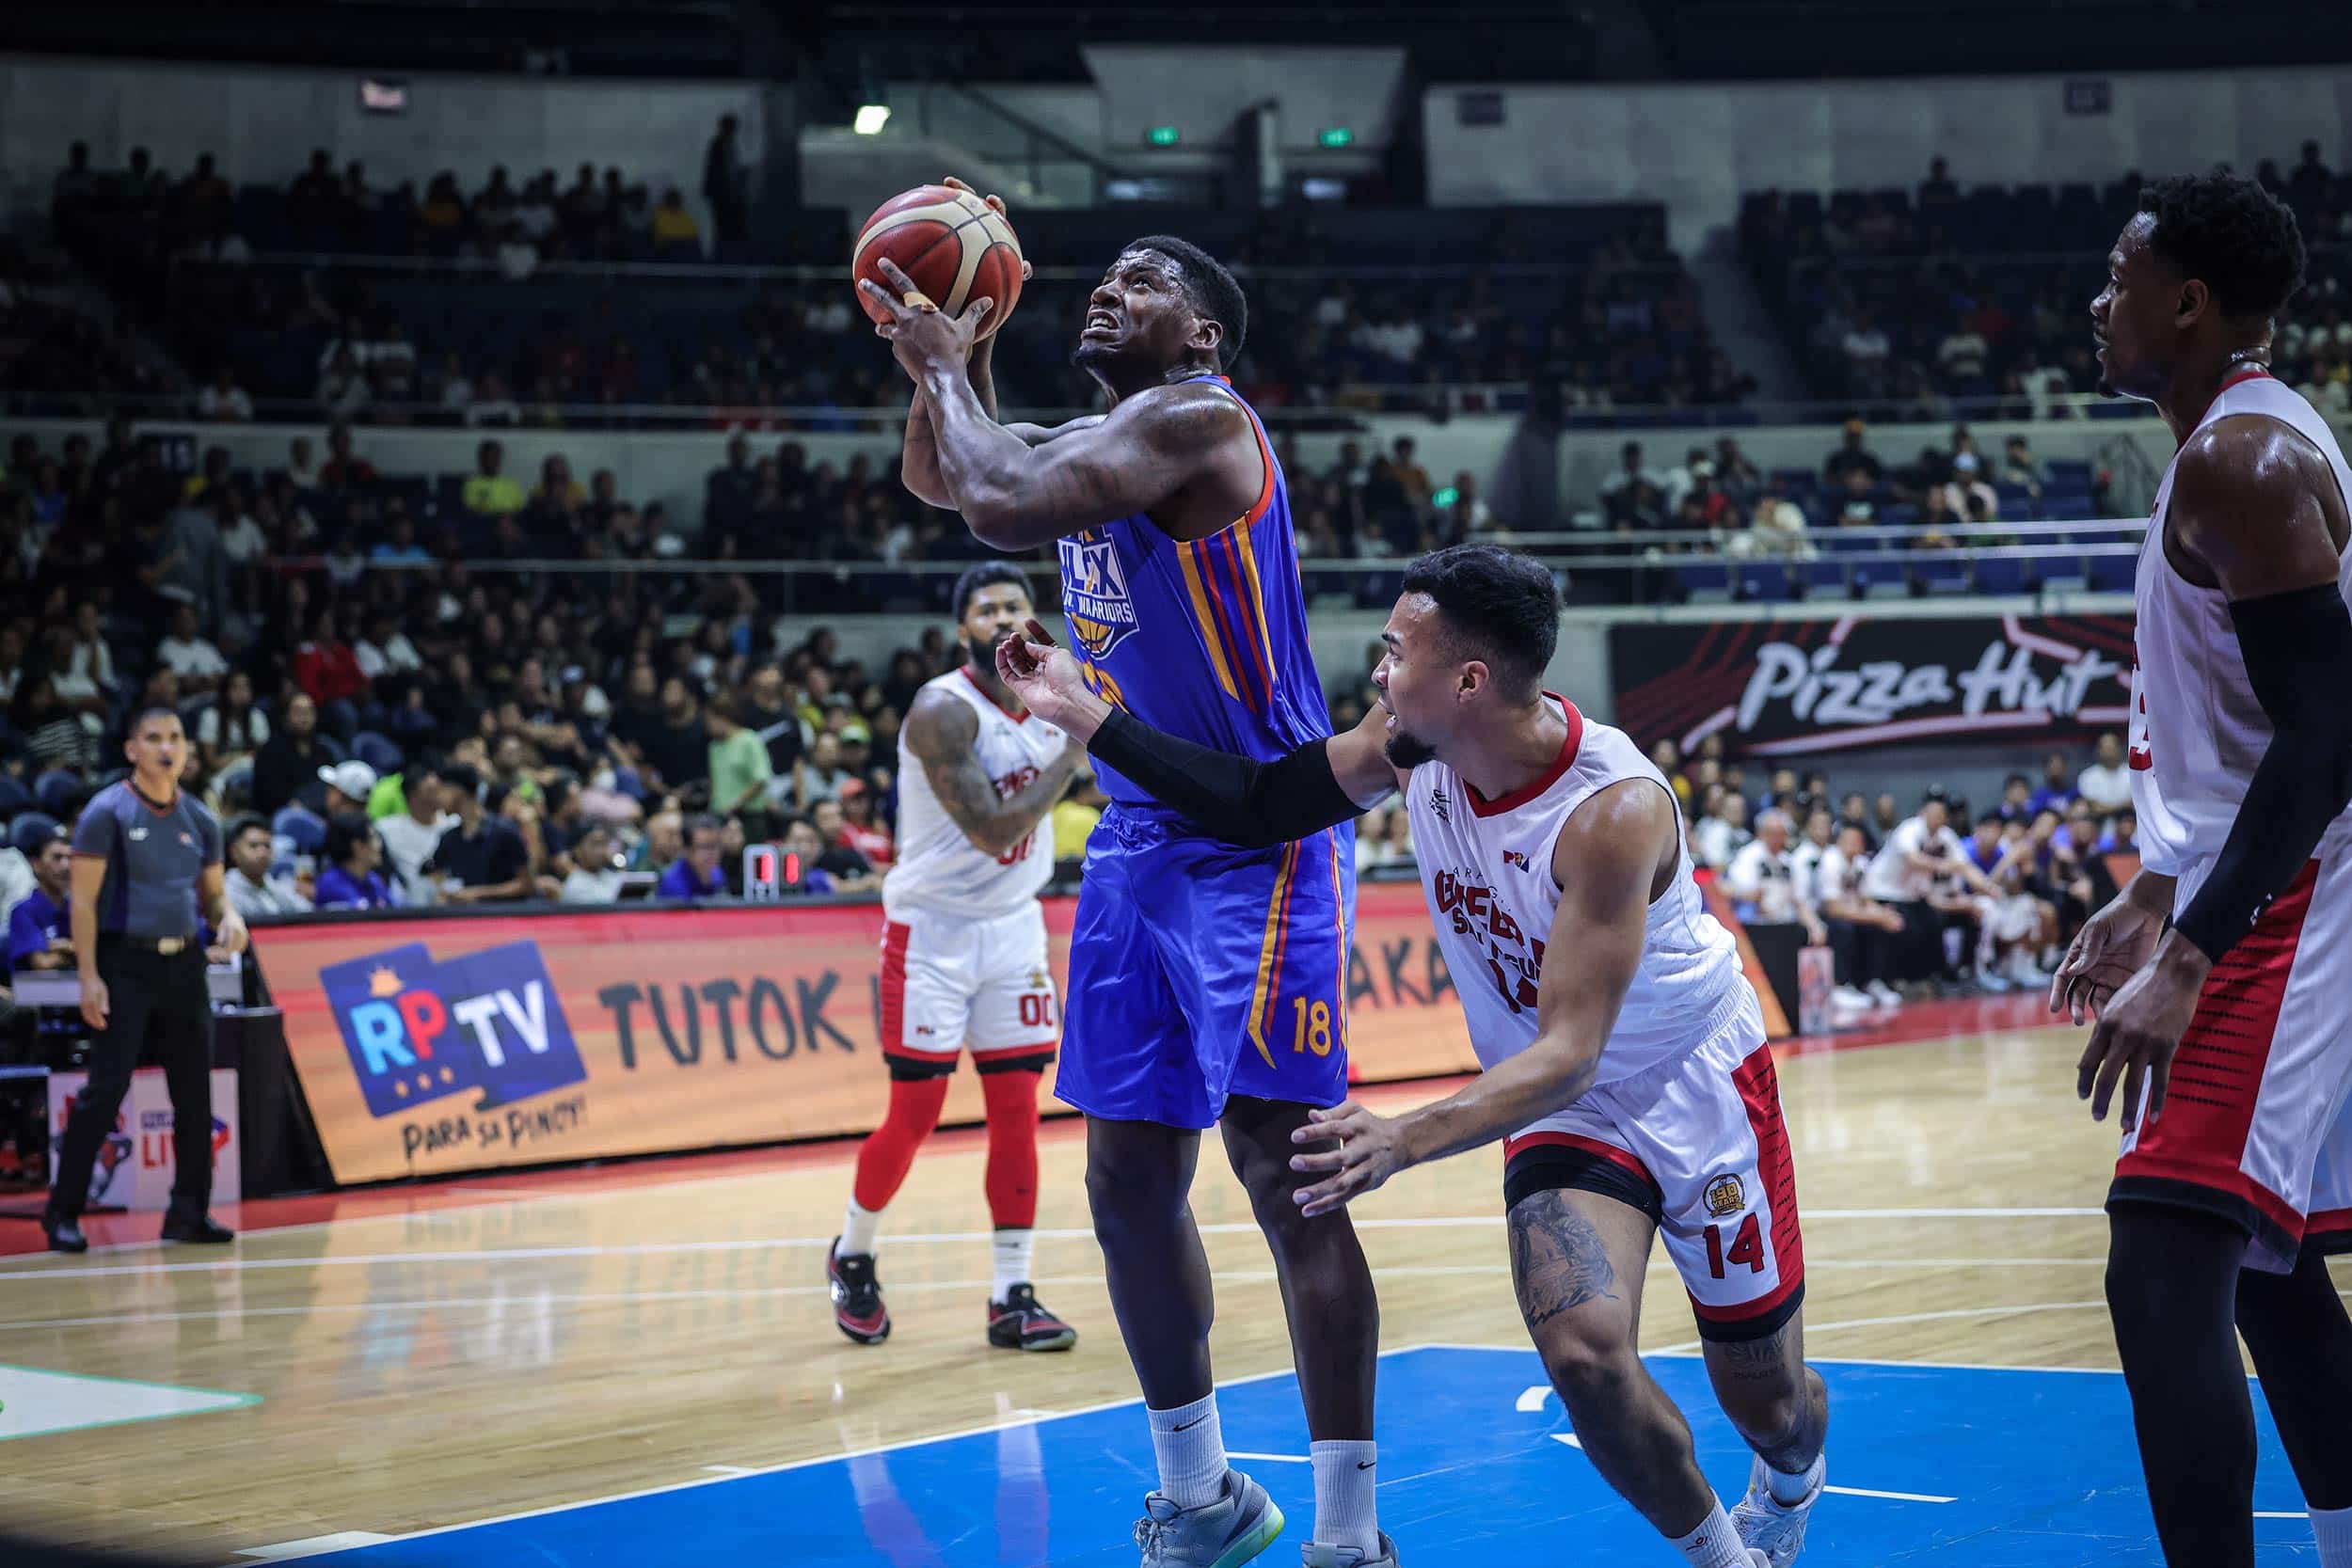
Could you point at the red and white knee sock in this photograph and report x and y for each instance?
(1011, 1179)
(888, 1152)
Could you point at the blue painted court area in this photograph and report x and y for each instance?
(2039, 1466)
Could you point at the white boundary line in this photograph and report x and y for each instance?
(785, 1244)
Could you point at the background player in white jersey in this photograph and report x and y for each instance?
(963, 957)
(1633, 1083)
(2229, 1033)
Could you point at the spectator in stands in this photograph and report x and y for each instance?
(674, 233)
(596, 874)
(1723, 829)
(1962, 356)
(2019, 465)
(190, 655)
(233, 727)
(412, 834)
(348, 786)
(820, 774)
(1938, 189)
(327, 668)
(40, 936)
(480, 857)
(1858, 508)
(344, 469)
(2308, 184)
(489, 491)
(74, 189)
(841, 859)
(2106, 784)
(1776, 527)
(224, 402)
(254, 885)
(1868, 351)
(1760, 878)
(350, 879)
(722, 186)
(738, 768)
(1861, 931)
(675, 741)
(803, 843)
(695, 876)
(53, 734)
(1904, 875)
(1852, 456)
(861, 830)
(1630, 474)
(291, 758)
(2058, 790)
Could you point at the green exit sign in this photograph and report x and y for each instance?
(1163, 135)
(1337, 136)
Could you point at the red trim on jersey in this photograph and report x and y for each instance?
(2326, 1220)
(1611, 1152)
(965, 671)
(1758, 1083)
(2235, 379)
(2224, 1057)
(894, 986)
(1481, 806)
(1265, 455)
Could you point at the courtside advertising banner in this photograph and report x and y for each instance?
(431, 1045)
(1799, 687)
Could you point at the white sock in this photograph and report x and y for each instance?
(857, 1229)
(1344, 1514)
(1787, 1490)
(1012, 1249)
(1190, 1447)
(2332, 1526)
(1715, 1543)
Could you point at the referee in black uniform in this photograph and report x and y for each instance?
(146, 857)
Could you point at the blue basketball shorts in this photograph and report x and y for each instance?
(1199, 970)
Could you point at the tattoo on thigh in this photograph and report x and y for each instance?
(1754, 1360)
(1557, 1259)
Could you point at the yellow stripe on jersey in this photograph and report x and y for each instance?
(1257, 601)
(1187, 555)
(1270, 950)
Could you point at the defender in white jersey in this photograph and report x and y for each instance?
(2230, 1032)
(964, 959)
(1629, 1075)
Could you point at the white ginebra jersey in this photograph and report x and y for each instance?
(1486, 868)
(939, 869)
(2197, 729)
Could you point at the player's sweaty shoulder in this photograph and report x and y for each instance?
(2251, 486)
(1202, 429)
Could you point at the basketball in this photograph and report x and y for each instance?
(954, 245)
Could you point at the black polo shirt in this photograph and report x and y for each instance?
(493, 853)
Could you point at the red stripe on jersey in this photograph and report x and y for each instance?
(1609, 1152)
(894, 986)
(2224, 1055)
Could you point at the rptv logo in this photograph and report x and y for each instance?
(418, 1029)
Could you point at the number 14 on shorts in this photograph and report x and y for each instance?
(1747, 1247)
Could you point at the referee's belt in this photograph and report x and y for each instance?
(165, 945)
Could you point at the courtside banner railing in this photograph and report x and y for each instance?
(427, 1045)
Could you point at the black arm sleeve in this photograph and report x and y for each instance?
(2297, 646)
(1237, 799)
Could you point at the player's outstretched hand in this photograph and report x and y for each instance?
(920, 333)
(1369, 1151)
(2111, 948)
(1050, 682)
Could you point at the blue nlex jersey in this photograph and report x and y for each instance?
(1204, 639)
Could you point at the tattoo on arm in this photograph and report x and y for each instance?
(1557, 1259)
(942, 732)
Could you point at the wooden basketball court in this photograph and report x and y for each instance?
(427, 1357)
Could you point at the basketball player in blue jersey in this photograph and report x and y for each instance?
(1207, 981)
